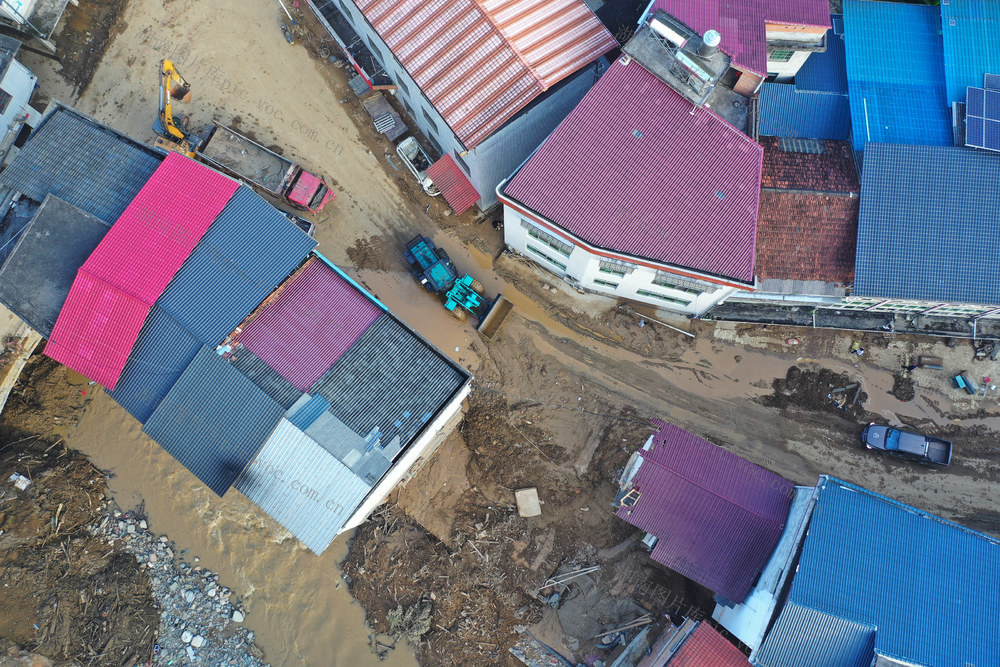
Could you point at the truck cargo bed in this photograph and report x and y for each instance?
(939, 451)
(245, 158)
(490, 325)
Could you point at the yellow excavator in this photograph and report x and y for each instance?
(170, 133)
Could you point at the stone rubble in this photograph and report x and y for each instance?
(200, 619)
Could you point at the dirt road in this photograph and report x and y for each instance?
(562, 396)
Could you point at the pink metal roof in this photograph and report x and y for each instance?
(741, 23)
(96, 329)
(315, 319)
(159, 229)
(125, 275)
(480, 61)
(454, 184)
(718, 517)
(632, 170)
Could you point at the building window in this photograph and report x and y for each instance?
(435, 145)
(5, 98)
(781, 56)
(430, 118)
(616, 267)
(461, 163)
(663, 297)
(402, 86)
(605, 283)
(551, 241)
(545, 256)
(675, 282)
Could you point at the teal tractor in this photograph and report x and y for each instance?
(434, 269)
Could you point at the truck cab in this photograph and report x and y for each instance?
(308, 192)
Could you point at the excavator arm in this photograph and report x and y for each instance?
(173, 87)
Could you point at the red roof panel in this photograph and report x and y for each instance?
(718, 517)
(454, 184)
(315, 319)
(705, 647)
(632, 170)
(741, 23)
(125, 275)
(480, 61)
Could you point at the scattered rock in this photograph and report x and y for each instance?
(189, 596)
(186, 637)
(143, 524)
(197, 641)
(238, 616)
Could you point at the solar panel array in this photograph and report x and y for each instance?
(982, 114)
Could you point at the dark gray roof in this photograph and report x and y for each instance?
(36, 278)
(14, 220)
(162, 352)
(214, 420)
(389, 384)
(246, 253)
(266, 378)
(82, 161)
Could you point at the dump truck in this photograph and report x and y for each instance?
(432, 267)
(232, 152)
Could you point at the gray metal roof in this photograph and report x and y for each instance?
(266, 378)
(389, 384)
(246, 253)
(302, 487)
(88, 164)
(42, 265)
(162, 352)
(213, 420)
(804, 636)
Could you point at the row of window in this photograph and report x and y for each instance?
(552, 241)
(546, 256)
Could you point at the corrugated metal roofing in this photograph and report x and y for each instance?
(83, 162)
(969, 30)
(804, 636)
(214, 421)
(480, 61)
(930, 586)
(785, 111)
(455, 186)
(705, 647)
(718, 517)
(265, 377)
(127, 272)
(162, 352)
(632, 170)
(246, 253)
(96, 329)
(306, 416)
(37, 277)
(742, 24)
(389, 384)
(928, 227)
(895, 73)
(315, 319)
(826, 71)
(302, 486)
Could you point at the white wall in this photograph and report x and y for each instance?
(584, 267)
(19, 83)
(786, 71)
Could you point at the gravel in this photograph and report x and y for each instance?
(201, 621)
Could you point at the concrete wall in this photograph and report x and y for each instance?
(616, 277)
(19, 82)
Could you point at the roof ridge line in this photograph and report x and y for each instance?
(480, 5)
(714, 493)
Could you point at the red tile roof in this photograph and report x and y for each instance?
(718, 517)
(315, 319)
(632, 170)
(705, 647)
(125, 275)
(741, 23)
(833, 170)
(480, 61)
(454, 184)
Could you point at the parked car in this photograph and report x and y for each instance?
(907, 445)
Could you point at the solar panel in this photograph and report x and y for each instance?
(982, 117)
(991, 81)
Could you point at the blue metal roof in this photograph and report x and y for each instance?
(162, 352)
(83, 162)
(928, 225)
(246, 252)
(214, 420)
(827, 71)
(803, 636)
(970, 31)
(931, 587)
(895, 72)
(266, 378)
(785, 111)
(389, 384)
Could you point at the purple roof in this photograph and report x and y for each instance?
(741, 23)
(631, 170)
(718, 517)
(316, 318)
